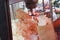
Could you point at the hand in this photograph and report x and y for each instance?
(36, 13)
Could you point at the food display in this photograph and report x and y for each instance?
(32, 22)
(33, 30)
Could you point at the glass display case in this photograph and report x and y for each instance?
(30, 20)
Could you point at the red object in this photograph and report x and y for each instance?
(56, 23)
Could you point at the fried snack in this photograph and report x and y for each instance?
(26, 26)
(20, 14)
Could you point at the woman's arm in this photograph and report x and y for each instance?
(57, 10)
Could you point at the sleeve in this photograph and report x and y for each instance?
(54, 16)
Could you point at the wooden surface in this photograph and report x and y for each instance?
(47, 32)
